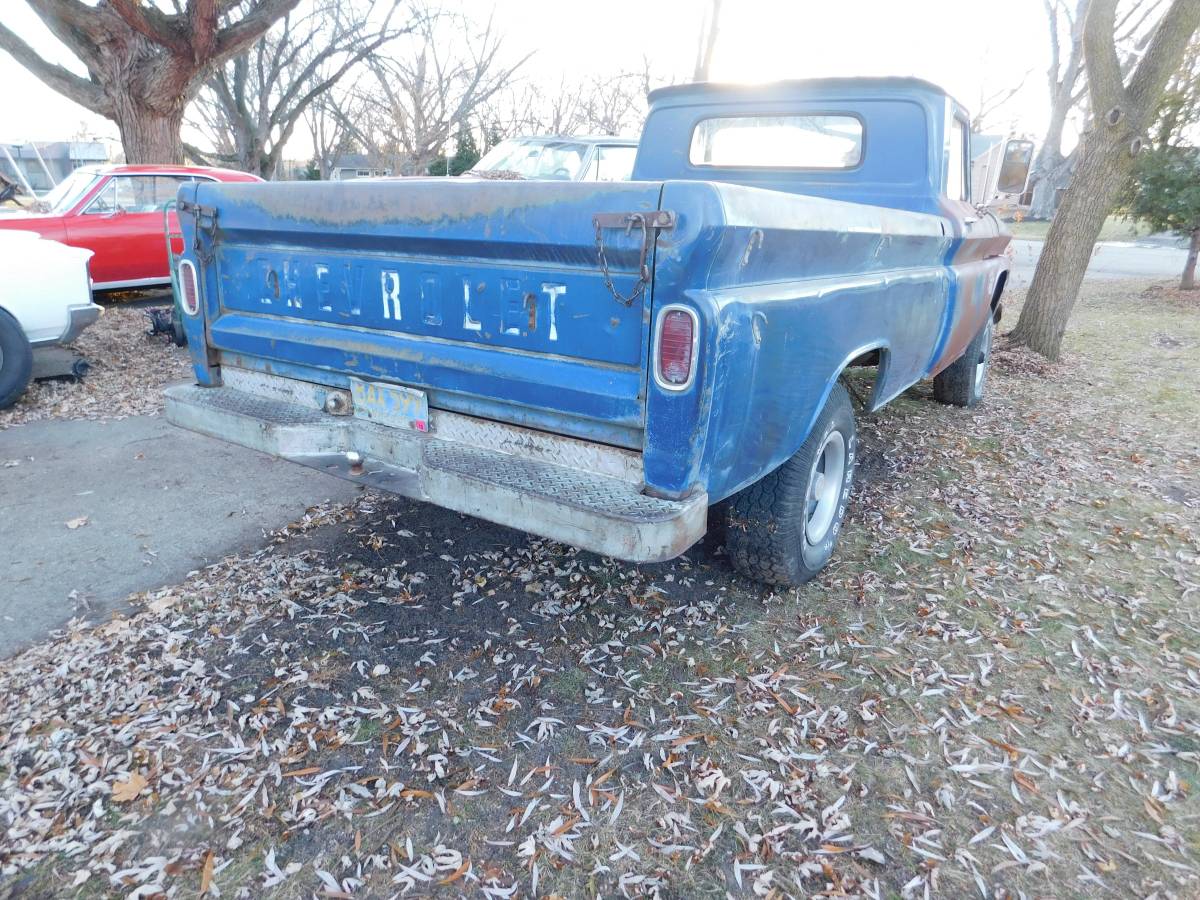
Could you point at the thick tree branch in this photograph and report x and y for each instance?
(78, 26)
(1104, 68)
(237, 37)
(203, 23)
(1161, 58)
(151, 24)
(69, 12)
(67, 83)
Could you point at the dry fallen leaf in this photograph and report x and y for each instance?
(130, 789)
(206, 873)
(77, 523)
(160, 605)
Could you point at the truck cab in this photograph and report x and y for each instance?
(602, 362)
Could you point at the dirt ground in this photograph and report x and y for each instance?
(994, 690)
(129, 369)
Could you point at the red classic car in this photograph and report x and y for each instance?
(117, 213)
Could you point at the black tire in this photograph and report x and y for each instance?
(963, 383)
(771, 524)
(16, 360)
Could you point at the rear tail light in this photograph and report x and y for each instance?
(189, 288)
(675, 348)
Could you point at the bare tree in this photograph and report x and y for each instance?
(252, 105)
(144, 63)
(1067, 82)
(601, 104)
(1051, 170)
(1180, 107)
(992, 101)
(617, 105)
(418, 101)
(710, 27)
(532, 107)
(1124, 109)
(326, 119)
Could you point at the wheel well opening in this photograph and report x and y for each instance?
(999, 291)
(876, 358)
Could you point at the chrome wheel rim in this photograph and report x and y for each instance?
(985, 356)
(825, 487)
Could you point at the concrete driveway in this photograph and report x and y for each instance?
(159, 501)
(1110, 260)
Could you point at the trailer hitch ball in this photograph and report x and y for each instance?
(337, 403)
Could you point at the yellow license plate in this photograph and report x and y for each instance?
(390, 404)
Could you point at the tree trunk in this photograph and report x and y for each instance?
(1188, 282)
(149, 124)
(1104, 166)
(149, 137)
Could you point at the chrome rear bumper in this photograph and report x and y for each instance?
(573, 491)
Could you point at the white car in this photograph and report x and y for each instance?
(45, 299)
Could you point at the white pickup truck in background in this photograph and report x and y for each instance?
(45, 301)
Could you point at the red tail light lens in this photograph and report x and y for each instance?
(676, 353)
(189, 288)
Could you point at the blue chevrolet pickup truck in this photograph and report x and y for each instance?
(602, 363)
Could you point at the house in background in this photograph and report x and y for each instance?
(37, 166)
(349, 166)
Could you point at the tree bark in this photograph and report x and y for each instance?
(1188, 281)
(149, 136)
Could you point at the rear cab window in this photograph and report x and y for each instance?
(824, 141)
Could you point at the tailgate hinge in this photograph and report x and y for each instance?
(206, 223)
(650, 223)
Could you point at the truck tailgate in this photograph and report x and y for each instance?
(485, 294)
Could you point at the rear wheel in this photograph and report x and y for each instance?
(782, 529)
(963, 383)
(16, 360)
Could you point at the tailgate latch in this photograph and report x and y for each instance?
(650, 223)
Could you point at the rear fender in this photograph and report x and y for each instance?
(789, 291)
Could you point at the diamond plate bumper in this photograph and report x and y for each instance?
(527, 483)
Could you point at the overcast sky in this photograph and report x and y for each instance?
(967, 46)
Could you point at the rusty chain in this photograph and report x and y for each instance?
(644, 270)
